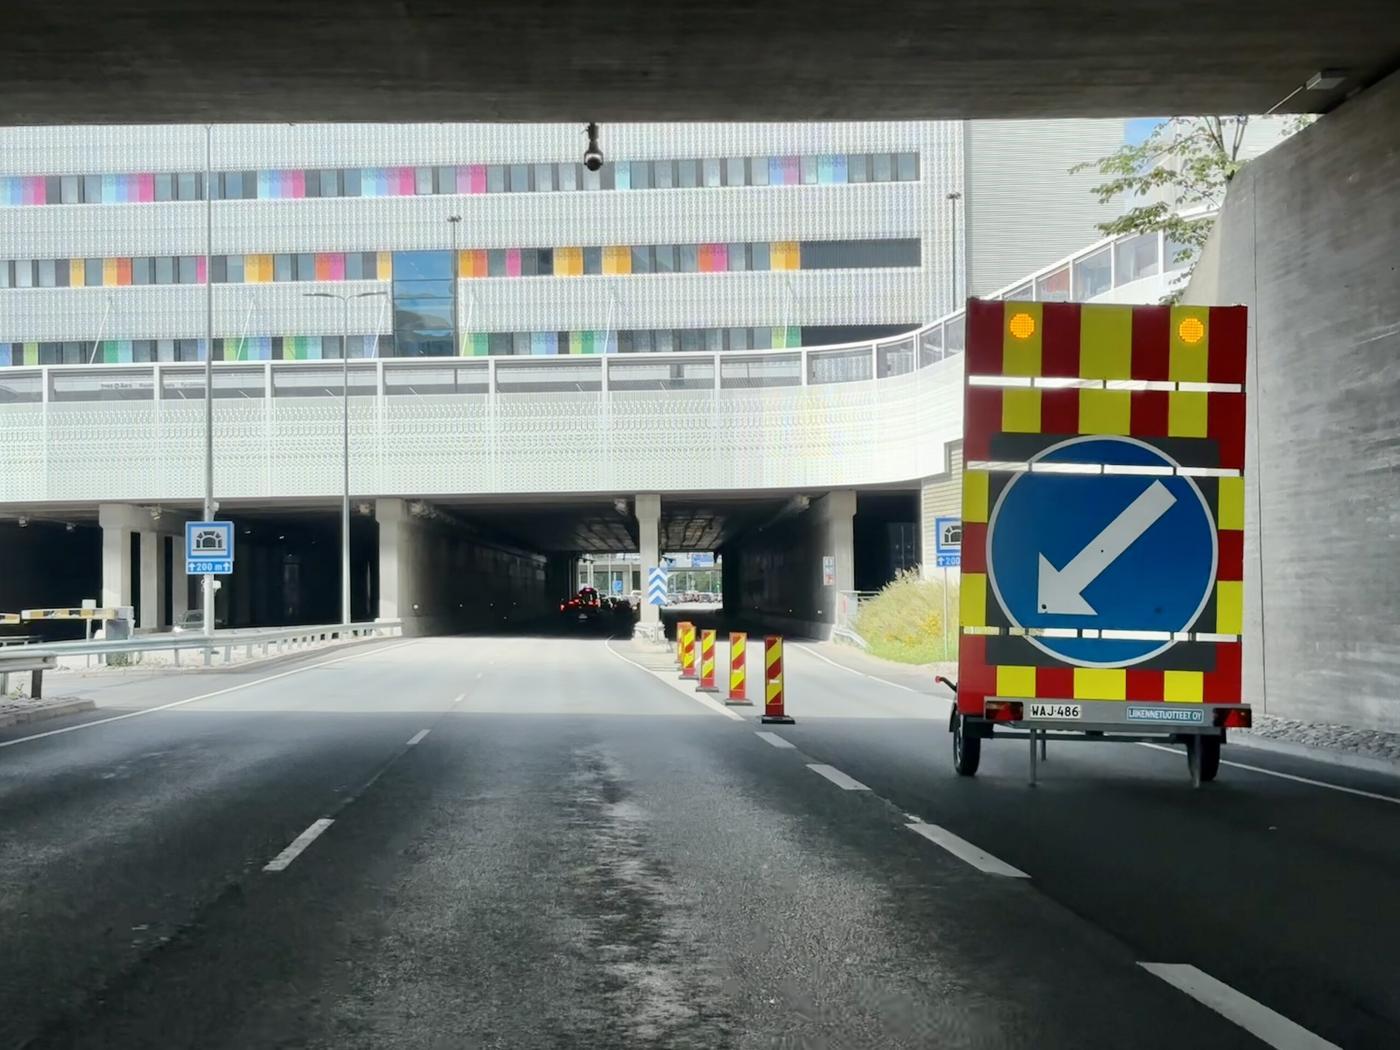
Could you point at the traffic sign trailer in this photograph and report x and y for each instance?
(1102, 528)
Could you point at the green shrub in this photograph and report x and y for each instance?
(904, 621)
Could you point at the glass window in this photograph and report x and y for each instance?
(623, 173)
(92, 189)
(665, 256)
(760, 338)
(734, 171)
(593, 260)
(1136, 258)
(165, 349)
(7, 270)
(544, 178)
(529, 262)
(165, 187)
(687, 258)
(142, 271)
(692, 340)
(218, 269)
(1178, 255)
(641, 174)
(758, 171)
(235, 269)
(711, 171)
(495, 178)
(811, 171)
(351, 183)
(641, 258)
(423, 181)
(663, 174)
(311, 183)
(1053, 287)
(46, 278)
(143, 351)
(1093, 275)
(520, 178)
(907, 167)
(568, 177)
(641, 341)
(496, 262)
(714, 339)
(420, 266)
(228, 185)
(759, 256)
(165, 270)
(842, 255)
(738, 257)
(355, 266)
(738, 338)
(520, 343)
(591, 180)
(882, 168)
(70, 190)
(857, 168)
(189, 269)
(498, 343)
(665, 340)
(687, 174)
(546, 261)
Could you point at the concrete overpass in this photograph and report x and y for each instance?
(63, 61)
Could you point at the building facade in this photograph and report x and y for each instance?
(478, 239)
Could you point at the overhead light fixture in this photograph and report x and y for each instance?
(23, 522)
(620, 505)
(68, 526)
(1326, 79)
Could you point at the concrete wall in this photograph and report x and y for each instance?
(1309, 238)
(439, 578)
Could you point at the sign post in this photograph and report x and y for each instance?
(947, 533)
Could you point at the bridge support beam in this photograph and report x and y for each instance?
(648, 511)
(118, 521)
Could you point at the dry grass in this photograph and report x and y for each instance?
(904, 621)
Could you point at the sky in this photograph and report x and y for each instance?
(1139, 128)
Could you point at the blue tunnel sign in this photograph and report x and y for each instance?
(1095, 552)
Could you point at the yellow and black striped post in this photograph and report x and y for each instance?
(738, 670)
(687, 637)
(706, 684)
(773, 682)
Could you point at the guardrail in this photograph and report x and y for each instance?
(282, 639)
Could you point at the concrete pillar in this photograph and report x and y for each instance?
(648, 511)
(118, 522)
(394, 570)
(149, 614)
(837, 512)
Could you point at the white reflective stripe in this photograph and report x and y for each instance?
(306, 838)
(1254, 1017)
(1150, 469)
(1210, 388)
(966, 851)
(1209, 472)
(1042, 467)
(985, 380)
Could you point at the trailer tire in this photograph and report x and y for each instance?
(1202, 757)
(967, 749)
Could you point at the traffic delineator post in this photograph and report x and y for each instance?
(706, 684)
(681, 627)
(773, 682)
(688, 652)
(738, 670)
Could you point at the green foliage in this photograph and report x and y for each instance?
(904, 621)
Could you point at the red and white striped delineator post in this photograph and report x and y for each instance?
(706, 684)
(738, 670)
(773, 682)
(688, 652)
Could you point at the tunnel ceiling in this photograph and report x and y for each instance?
(80, 61)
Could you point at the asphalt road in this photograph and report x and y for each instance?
(580, 854)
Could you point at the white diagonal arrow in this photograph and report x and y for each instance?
(1059, 590)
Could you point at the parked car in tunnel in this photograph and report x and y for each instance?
(583, 607)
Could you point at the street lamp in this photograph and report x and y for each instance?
(953, 199)
(344, 439)
(455, 221)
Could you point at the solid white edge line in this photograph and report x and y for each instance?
(1254, 1017)
(862, 674)
(689, 694)
(774, 739)
(965, 851)
(841, 780)
(202, 696)
(306, 838)
(418, 736)
(1288, 776)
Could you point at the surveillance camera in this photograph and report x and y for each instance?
(592, 156)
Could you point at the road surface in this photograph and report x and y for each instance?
(544, 842)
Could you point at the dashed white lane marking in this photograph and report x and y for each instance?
(418, 736)
(306, 838)
(872, 677)
(687, 691)
(964, 850)
(1254, 1017)
(1288, 776)
(202, 696)
(838, 778)
(774, 739)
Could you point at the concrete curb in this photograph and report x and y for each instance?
(1331, 756)
(38, 714)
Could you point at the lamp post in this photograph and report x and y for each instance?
(455, 221)
(953, 199)
(207, 580)
(344, 439)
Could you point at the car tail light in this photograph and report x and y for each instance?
(1003, 710)
(1233, 717)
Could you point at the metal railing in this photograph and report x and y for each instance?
(266, 639)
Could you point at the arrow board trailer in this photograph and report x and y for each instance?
(1103, 528)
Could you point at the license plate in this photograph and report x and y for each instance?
(1054, 711)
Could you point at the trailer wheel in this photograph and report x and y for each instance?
(1202, 757)
(967, 750)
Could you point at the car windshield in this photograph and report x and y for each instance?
(732, 525)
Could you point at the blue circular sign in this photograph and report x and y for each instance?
(1102, 552)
